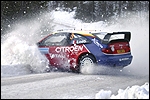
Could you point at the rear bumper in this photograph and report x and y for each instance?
(115, 61)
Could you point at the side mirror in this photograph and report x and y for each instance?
(38, 43)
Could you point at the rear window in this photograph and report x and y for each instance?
(100, 35)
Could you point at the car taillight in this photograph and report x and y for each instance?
(107, 50)
(128, 49)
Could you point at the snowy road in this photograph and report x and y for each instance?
(64, 85)
(17, 82)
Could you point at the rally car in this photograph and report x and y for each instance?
(73, 50)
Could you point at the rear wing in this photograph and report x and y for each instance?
(107, 38)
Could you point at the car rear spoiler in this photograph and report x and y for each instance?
(127, 36)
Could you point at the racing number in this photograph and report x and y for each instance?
(72, 36)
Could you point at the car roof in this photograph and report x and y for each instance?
(82, 32)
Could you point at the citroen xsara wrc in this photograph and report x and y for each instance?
(73, 50)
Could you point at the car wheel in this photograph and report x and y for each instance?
(86, 63)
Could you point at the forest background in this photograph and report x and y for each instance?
(87, 11)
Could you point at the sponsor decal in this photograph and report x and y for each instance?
(56, 56)
(123, 59)
(69, 49)
(82, 41)
(96, 42)
(112, 48)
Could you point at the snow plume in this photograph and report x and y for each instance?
(19, 45)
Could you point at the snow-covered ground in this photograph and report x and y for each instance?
(133, 92)
(22, 47)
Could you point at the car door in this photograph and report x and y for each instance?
(53, 48)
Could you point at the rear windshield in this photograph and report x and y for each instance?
(100, 35)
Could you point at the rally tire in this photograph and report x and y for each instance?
(86, 61)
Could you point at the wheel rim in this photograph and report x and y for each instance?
(86, 62)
